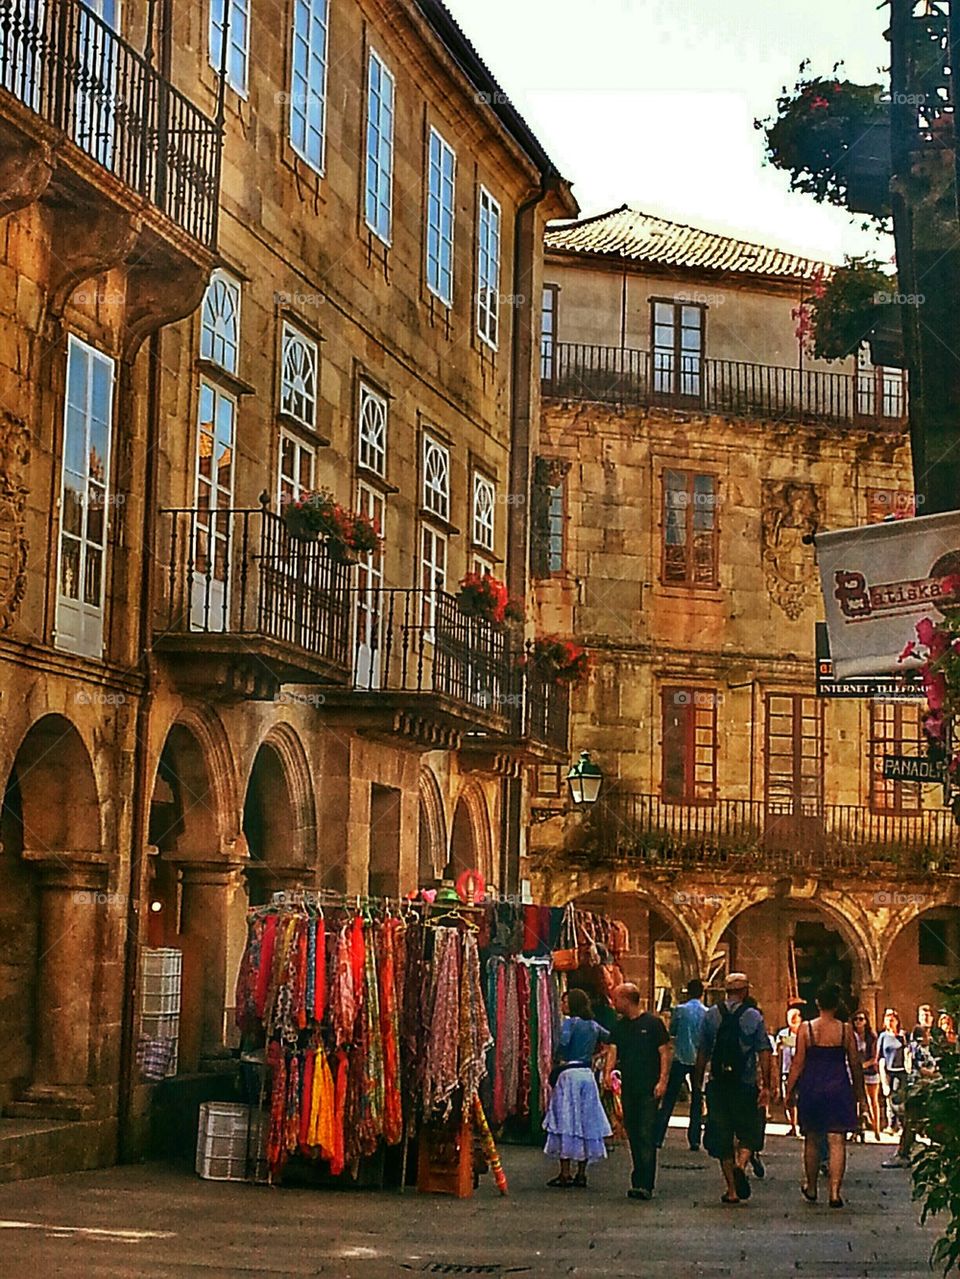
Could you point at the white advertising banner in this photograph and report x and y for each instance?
(879, 581)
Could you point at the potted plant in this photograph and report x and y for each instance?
(847, 307)
(483, 595)
(833, 137)
(348, 533)
(563, 660)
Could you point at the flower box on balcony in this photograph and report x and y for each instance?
(483, 595)
(349, 534)
(561, 660)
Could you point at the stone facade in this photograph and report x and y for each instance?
(741, 821)
(165, 764)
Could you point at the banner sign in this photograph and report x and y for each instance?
(879, 581)
(900, 686)
(914, 768)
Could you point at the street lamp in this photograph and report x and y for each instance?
(584, 780)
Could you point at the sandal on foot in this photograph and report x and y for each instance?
(580, 1179)
(561, 1182)
(810, 1198)
(836, 1203)
(726, 1199)
(742, 1183)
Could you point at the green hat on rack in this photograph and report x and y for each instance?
(447, 894)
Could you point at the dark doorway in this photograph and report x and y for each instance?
(821, 955)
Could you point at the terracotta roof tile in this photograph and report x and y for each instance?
(641, 237)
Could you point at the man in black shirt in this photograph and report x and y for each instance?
(640, 1049)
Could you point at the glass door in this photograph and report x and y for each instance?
(369, 620)
(210, 595)
(96, 79)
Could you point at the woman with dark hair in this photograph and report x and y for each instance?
(825, 1061)
(866, 1042)
(575, 1122)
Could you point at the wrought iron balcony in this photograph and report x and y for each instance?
(546, 710)
(748, 834)
(63, 62)
(238, 588)
(622, 376)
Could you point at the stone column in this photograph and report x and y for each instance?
(208, 888)
(870, 1003)
(73, 902)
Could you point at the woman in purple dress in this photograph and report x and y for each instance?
(827, 1078)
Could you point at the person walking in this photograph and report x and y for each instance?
(947, 1029)
(734, 1043)
(575, 1122)
(866, 1042)
(923, 1061)
(892, 1061)
(786, 1044)
(825, 1062)
(640, 1050)
(685, 1023)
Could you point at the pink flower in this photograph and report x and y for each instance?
(934, 726)
(909, 650)
(935, 687)
(933, 638)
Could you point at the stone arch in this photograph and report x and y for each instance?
(912, 967)
(59, 803)
(471, 842)
(432, 835)
(196, 761)
(291, 769)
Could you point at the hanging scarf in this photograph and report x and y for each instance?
(390, 1033)
(322, 1110)
(342, 995)
(545, 1032)
(475, 1037)
(499, 1086)
(440, 1072)
(320, 972)
(412, 1049)
(372, 1100)
(291, 1126)
(511, 1038)
(523, 1054)
(265, 969)
(309, 994)
(300, 974)
(276, 1153)
(337, 1159)
(357, 956)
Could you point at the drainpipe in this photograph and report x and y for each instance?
(142, 790)
(518, 514)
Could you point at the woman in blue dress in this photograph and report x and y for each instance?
(575, 1122)
(828, 1080)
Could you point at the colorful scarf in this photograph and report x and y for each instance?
(523, 1055)
(343, 995)
(475, 1037)
(440, 1071)
(371, 1053)
(390, 1032)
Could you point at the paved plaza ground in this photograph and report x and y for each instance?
(156, 1220)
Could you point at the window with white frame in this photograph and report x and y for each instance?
(296, 470)
(84, 499)
(436, 478)
(220, 322)
(433, 574)
(482, 565)
(308, 81)
(210, 603)
(298, 377)
(238, 41)
(372, 434)
(488, 268)
(379, 196)
(441, 179)
(484, 504)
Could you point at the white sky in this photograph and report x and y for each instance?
(652, 102)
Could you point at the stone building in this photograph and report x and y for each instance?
(688, 454)
(199, 708)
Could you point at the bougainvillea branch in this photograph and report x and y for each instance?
(937, 646)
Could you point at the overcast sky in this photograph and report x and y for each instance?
(652, 102)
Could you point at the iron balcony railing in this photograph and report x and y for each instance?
(546, 708)
(419, 641)
(633, 827)
(69, 66)
(238, 572)
(623, 376)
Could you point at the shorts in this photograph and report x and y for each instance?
(733, 1115)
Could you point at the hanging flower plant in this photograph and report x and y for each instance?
(564, 661)
(830, 133)
(315, 515)
(844, 309)
(483, 595)
(938, 647)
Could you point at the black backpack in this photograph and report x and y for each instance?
(726, 1063)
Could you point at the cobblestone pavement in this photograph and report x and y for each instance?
(155, 1220)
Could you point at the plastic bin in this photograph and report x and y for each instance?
(231, 1142)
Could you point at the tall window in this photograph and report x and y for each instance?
(372, 442)
(215, 455)
(794, 755)
(548, 331)
(379, 201)
(488, 268)
(895, 729)
(296, 470)
(690, 541)
(298, 377)
(881, 391)
(441, 180)
(85, 477)
(484, 505)
(433, 574)
(436, 478)
(238, 41)
(677, 350)
(308, 81)
(96, 101)
(369, 639)
(220, 322)
(547, 543)
(689, 746)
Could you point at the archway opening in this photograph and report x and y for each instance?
(789, 949)
(20, 922)
(925, 952)
(431, 832)
(464, 853)
(270, 824)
